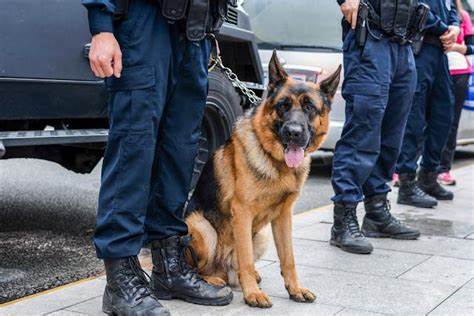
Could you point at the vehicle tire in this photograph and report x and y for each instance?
(222, 110)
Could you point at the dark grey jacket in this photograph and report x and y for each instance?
(203, 16)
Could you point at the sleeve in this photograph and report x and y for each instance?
(341, 1)
(434, 24)
(101, 15)
(470, 49)
(453, 18)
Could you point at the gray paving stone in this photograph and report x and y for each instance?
(460, 303)
(442, 270)
(263, 263)
(380, 262)
(357, 312)
(316, 231)
(450, 221)
(470, 284)
(91, 307)
(56, 300)
(363, 292)
(430, 245)
(281, 306)
(470, 236)
(320, 215)
(63, 313)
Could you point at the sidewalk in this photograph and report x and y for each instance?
(434, 275)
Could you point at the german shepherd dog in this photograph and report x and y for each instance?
(254, 180)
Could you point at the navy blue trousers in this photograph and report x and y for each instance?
(156, 109)
(431, 115)
(379, 83)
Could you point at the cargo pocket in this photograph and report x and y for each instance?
(133, 99)
(132, 139)
(364, 115)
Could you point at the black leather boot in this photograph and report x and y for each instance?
(173, 277)
(127, 292)
(345, 232)
(428, 182)
(410, 193)
(379, 222)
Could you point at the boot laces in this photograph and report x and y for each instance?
(418, 191)
(388, 208)
(141, 288)
(187, 268)
(352, 224)
(414, 187)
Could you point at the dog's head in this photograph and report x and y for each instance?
(298, 113)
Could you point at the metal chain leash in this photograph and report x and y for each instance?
(216, 61)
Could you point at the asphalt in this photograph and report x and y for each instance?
(47, 220)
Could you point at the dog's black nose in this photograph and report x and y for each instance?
(293, 132)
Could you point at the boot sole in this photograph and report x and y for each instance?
(440, 198)
(403, 202)
(199, 301)
(356, 250)
(412, 236)
(443, 198)
(109, 310)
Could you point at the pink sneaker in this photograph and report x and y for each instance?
(446, 178)
(395, 181)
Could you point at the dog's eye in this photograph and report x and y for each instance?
(284, 105)
(308, 105)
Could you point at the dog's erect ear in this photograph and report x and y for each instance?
(329, 85)
(276, 73)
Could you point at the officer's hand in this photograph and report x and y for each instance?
(350, 8)
(450, 36)
(105, 56)
(460, 48)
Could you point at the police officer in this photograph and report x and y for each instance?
(154, 56)
(430, 118)
(379, 83)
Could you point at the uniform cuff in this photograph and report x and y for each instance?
(341, 1)
(469, 49)
(442, 28)
(100, 20)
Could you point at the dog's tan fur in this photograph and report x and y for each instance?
(256, 189)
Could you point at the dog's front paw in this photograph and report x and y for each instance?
(216, 281)
(258, 299)
(301, 295)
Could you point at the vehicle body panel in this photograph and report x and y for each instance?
(51, 105)
(44, 70)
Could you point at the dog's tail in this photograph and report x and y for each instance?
(204, 240)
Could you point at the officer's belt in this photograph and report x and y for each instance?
(374, 21)
(375, 25)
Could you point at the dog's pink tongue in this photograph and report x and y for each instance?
(294, 156)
